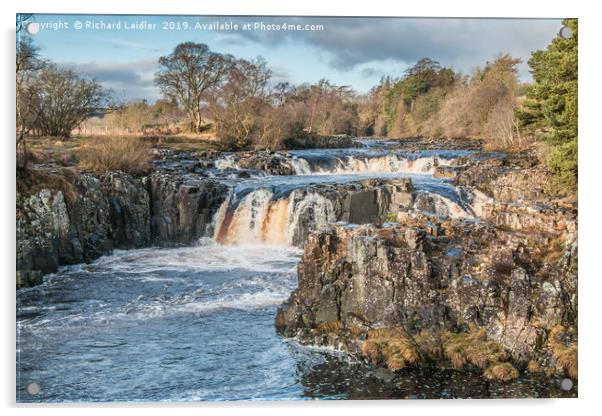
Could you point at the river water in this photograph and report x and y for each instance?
(197, 323)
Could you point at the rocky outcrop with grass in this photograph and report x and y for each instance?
(432, 292)
(498, 294)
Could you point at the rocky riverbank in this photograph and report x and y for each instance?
(70, 218)
(443, 257)
(67, 217)
(497, 294)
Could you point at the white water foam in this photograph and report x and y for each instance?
(262, 218)
(360, 164)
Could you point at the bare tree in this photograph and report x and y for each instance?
(281, 92)
(61, 100)
(188, 73)
(27, 64)
(240, 106)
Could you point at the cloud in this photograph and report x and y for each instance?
(460, 43)
(356, 50)
(279, 73)
(232, 40)
(370, 72)
(130, 81)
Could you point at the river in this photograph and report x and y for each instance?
(197, 323)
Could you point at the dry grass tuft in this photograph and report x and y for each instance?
(332, 327)
(565, 353)
(356, 331)
(128, 154)
(501, 371)
(63, 179)
(471, 348)
(391, 347)
(396, 349)
(533, 367)
(429, 344)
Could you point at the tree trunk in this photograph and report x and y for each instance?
(198, 121)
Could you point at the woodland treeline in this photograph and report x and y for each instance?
(237, 101)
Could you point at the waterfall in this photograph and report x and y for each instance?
(261, 217)
(319, 162)
(226, 162)
(389, 163)
(301, 166)
(280, 210)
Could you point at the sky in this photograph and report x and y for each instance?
(122, 51)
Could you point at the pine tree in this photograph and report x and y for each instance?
(550, 111)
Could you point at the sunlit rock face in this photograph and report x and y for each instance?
(424, 274)
(506, 267)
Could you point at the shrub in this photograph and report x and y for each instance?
(392, 217)
(563, 161)
(128, 154)
(62, 100)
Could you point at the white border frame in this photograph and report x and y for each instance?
(590, 288)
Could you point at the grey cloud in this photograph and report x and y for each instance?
(461, 43)
(130, 81)
(371, 72)
(122, 44)
(232, 40)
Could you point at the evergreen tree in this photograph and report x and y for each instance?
(550, 111)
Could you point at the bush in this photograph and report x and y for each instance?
(563, 161)
(128, 154)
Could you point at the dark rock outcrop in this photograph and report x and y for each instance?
(264, 161)
(313, 141)
(181, 209)
(100, 214)
(430, 143)
(115, 210)
(360, 202)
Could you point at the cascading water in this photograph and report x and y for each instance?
(301, 166)
(370, 160)
(378, 164)
(260, 217)
(196, 323)
(268, 210)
